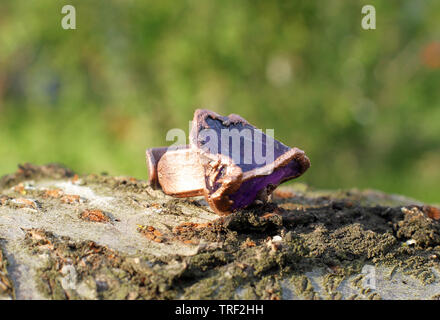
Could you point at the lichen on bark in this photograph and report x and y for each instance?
(101, 237)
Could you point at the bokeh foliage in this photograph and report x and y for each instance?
(364, 105)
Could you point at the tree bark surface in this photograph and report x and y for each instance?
(64, 236)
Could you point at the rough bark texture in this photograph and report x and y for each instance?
(100, 237)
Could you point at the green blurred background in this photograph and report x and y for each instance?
(364, 105)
